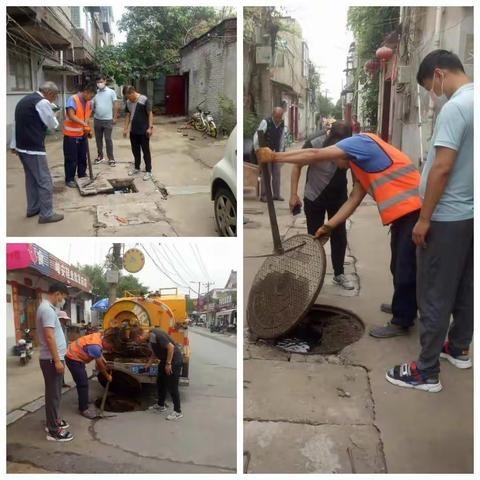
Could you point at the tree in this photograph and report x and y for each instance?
(154, 38)
(370, 25)
(96, 276)
(337, 112)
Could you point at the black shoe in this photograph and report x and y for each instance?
(33, 214)
(59, 436)
(63, 425)
(386, 308)
(56, 217)
(71, 184)
(98, 160)
(112, 163)
(279, 199)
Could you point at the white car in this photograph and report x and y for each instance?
(224, 189)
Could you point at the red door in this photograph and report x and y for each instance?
(175, 95)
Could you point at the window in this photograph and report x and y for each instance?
(20, 71)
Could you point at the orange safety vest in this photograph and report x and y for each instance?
(75, 350)
(395, 189)
(72, 129)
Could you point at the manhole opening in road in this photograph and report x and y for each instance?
(325, 330)
(123, 185)
(129, 401)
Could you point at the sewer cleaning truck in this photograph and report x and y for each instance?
(165, 309)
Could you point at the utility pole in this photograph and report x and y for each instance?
(207, 284)
(113, 272)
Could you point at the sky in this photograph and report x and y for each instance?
(324, 29)
(117, 15)
(218, 255)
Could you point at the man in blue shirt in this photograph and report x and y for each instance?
(444, 231)
(104, 117)
(52, 346)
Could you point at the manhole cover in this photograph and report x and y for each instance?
(324, 330)
(286, 286)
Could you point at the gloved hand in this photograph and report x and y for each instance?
(264, 155)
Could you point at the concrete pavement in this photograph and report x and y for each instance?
(143, 441)
(175, 201)
(337, 413)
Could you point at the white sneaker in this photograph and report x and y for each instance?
(158, 408)
(344, 282)
(174, 416)
(134, 172)
(147, 176)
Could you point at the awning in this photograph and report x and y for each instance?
(29, 255)
(101, 305)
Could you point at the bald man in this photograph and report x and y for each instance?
(275, 132)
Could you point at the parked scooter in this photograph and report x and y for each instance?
(25, 347)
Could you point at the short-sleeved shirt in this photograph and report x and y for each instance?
(103, 103)
(454, 130)
(139, 111)
(365, 153)
(159, 341)
(47, 317)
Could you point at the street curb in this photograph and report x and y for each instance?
(213, 337)
(19, 412)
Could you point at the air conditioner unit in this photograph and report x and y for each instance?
(404, 74)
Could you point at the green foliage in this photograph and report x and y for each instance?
(100, 288)
(251, 121)
(337, 112)
(155, 36)
(325, 106)
(370, 26)
(228, 114)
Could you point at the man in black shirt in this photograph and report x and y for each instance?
(169, 367)
(139, 120)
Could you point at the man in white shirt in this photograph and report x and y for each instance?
(33, 116)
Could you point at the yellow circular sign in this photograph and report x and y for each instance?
(133, 260)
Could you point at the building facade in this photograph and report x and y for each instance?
(30, 272)
(208, 69)
(52, 44)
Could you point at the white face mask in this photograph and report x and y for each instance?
(101, 85)
(438, 100)
(61, 303)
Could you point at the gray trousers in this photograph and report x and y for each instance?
(274, 169)
(53, 393)
(38, 184)
(444, 290)
(103, 127)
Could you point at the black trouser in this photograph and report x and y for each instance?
(53, 393)
(75, 153)
(141, 142)
(169, 383)
(315, 213)
(403, 266)
(80, 377)
(445, 289)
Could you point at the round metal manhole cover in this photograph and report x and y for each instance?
(286, 286)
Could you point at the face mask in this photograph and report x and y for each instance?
(61, 303)
(101, 86)
(438, 100)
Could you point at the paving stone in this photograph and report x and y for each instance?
(35, 405)
(307, 393)
(15, 415)
(279, 447)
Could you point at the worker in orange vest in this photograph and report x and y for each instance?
(391, 178)
(82, 351)
(76, 127)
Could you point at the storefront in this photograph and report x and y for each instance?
(30, 272)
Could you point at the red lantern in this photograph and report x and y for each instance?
(371, 66)
(384, 54)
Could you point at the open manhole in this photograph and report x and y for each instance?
(324, 330)
(129, 402)
(123, 185)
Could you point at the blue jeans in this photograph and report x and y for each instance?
(38, 184)
(80, 377)
(75, 153)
